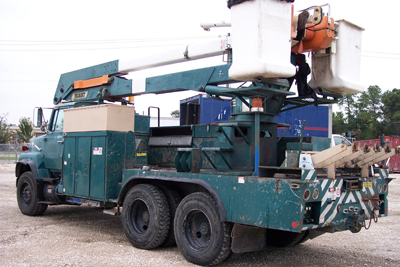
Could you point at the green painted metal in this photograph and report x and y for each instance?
(93, 163)
(53, 142)
(247, 200)
(280, 203)
(97, 170)
(65, 84)
(118, 88)
(68, 170)
(195, 80)
(293, 143)
(188, 80)
(265, 90)
(82, 163)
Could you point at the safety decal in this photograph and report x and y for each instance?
(97, 151)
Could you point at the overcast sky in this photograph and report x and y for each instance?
(39, 40)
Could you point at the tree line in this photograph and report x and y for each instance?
(24, 131)
(369, 115)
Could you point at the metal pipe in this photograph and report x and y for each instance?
(177, 55)
(301, 140)
(148, 113)
(257, 143)
(207, 25)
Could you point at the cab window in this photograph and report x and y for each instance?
(346, 142)
(338, 140)
(58, 121)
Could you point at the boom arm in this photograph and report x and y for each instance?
(261, 54)
(85, 83)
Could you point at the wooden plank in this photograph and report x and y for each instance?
(357, 152)
(332, 159)
(392, 152)
(370, 159)
(371, 153)
(331, 171)
(327, 154)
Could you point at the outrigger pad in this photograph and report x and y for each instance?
(236, 2)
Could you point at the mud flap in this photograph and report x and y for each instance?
(248, 238)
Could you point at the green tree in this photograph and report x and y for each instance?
(348, 103)
(368, 113)
(339, 124)
(5, 131)
(346, 121)
(391, 111)
(25, 129)
(175, 113)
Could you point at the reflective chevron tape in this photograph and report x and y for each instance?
(383, 173)
(309, 175)
(329, 208)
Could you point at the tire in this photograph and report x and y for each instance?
(145, 216)
(305, 238)
(278, 238)
(173, 199)
(27, 196)
(200, 235)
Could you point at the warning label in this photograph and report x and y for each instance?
(97, 151)
(334, 192)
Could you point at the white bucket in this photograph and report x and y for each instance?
(261, 40)
(337, 70)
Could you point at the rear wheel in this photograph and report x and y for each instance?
(278, 238)
(27, 195)
(305, 238)
(145, 216)
(173, 199)
(200, 235)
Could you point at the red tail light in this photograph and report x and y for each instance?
(25, 148)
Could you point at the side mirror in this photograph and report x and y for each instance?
(39, 118)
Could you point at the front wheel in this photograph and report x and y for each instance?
(145, 216)
(27, 196)
(200, 235)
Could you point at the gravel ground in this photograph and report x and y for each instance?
(84, 236)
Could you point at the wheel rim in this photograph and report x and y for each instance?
(26, 194)
(197, 230)
(140, 216)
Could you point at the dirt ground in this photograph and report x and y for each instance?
(85, 236)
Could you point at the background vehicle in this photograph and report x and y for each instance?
(337, 139)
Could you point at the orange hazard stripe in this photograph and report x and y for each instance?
(91, 82)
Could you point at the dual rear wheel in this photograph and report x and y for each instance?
(152, 218)
(200, 235)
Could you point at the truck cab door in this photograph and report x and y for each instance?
(54, 142)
